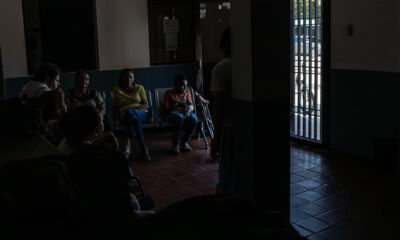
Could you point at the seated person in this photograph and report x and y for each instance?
(21, 127)
(84, 126)
(178, 106)
(130, 108)
(89, 149)
(82, 94)
(46, 79)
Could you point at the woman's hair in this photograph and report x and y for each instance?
(79, 124)
(80, 72)
(178, 79)
(225, 42)
(121, 77)
(46, 70)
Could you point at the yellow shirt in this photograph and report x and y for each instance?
(125, 101)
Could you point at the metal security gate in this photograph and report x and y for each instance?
(306, 75)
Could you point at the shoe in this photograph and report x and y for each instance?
(175, 149)
(186, 147)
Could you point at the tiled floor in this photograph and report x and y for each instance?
(338, 197)
(170, 178)
(332, 197)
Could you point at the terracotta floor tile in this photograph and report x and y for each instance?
(162, 194)
(178, 173)
(187, 179)
(201, 185)
(204, 174)
(183, 190)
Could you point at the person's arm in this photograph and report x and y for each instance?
(189, 102)
(101, 106)
(168, 105)
(63, 108)
(143, 99)
(67, 100)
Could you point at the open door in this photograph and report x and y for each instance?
(308, 70)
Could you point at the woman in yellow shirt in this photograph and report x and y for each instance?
(130, 108)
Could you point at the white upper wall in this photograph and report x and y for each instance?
(12, 39)
(123, 34)
(375, 42)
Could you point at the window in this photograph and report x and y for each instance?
(62, 32)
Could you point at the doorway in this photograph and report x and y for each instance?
(307, 72)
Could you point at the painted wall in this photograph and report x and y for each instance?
(364, 81)
(123, 34)
(12, 40)
(375, 42)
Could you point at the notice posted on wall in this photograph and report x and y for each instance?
(171, 26)
(171, 42)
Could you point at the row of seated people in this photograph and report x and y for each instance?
(85, 193)
(130, 105)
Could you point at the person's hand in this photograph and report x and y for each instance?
(143, 107)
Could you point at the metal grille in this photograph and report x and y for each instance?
(306, 57)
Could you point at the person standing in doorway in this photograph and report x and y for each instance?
(221, 87)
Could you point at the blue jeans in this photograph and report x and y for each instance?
(181, 122)
(133, 120)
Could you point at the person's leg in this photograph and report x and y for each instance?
(140, 118)
(225, 170)
(177, 119)
(134, 122)
(190, 127)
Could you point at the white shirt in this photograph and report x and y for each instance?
(221, 81)
(221, 77)
(33, 89)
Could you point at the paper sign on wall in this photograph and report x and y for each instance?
(171, 26)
